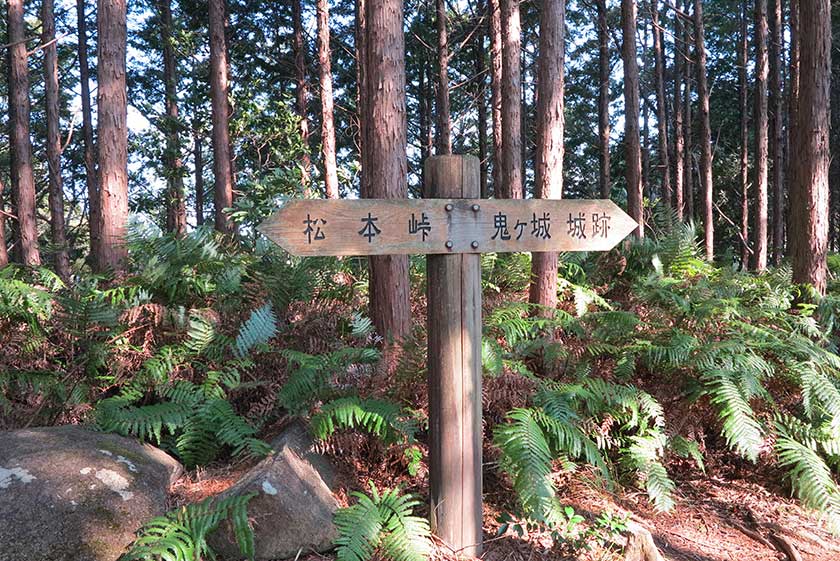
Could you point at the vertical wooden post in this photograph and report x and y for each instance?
(454, 365)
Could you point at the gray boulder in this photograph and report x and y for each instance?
(71, 494)
(293, 507)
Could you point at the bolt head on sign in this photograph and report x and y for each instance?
(440, 226)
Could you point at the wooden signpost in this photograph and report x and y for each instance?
(453, 226)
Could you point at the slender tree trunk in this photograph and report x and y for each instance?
(705, 133)
(4, 254)
(222, 164)
(550, 138)
(386, 143)
(761, 195)
(512, 185)
(495, 32)
(793, 89)
(604, 184)
(327, 121)
(444, 125)
(113, 133)
(744, 156)
(362, 101)
(679, 141)
(56, 187)
(809, 203)
(633, 153)
(480, 88)
(302, 93)
(198, 157)
(87, 130)
(424, 110)
(688, 129)
(776, 132)
(661, 116)
(176, 206)
(23, 179)
(643, 92)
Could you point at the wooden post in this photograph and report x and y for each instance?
(454, 365)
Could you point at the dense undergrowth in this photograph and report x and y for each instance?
(205, 350)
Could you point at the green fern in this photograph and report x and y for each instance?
(383, 523)
(383, 419)
(257, 330)
(181, 535)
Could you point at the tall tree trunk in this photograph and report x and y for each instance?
(550, 138)
(761, 196)
(480, 88)
(792, 86)
(512, 185)
(198, 158)
(495, 32)
(661, 113)
(56, 187)
(327, 121)
(744, 157)
(222, 164)
(387, 163)
(23, 179)
(633, 152)
(777, 132)
(87, 130)
(688, 129)
(302, 92)
(4, 254)
(424, 109)
(705, 133)
(113, 133)
(809, 203)
(680, 54)
(362, 101)
(643, 92)
(604, 185)
(444, 125)
(176, 206)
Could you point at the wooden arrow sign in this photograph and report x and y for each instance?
(440, 226)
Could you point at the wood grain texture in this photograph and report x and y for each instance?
(454, 367)
(497, 226)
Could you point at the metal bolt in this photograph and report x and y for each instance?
(476, 208)
(449, 207)
(449, 243)
(474, 245)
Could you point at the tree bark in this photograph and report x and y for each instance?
(645, 107)
(56, 187)
(809, 203)
(444, 125)
(512, 184)
(176, 206)
(302, 92)
(793, 83)
(87, 130)
(705, 133)
(386, 143)
(23, 179)
(362, 93)
(424, 109)
(744, 156)
(761, 195)
(604, 184)
(777, 132)
(480, 88)
(495, 32)
(633, 153)
(222, 164)
(198, 158)
(688, 129)
(327, 120)
(550, 138)
(113, 133)
(661, 112)
(680, 55)
(4, 253)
